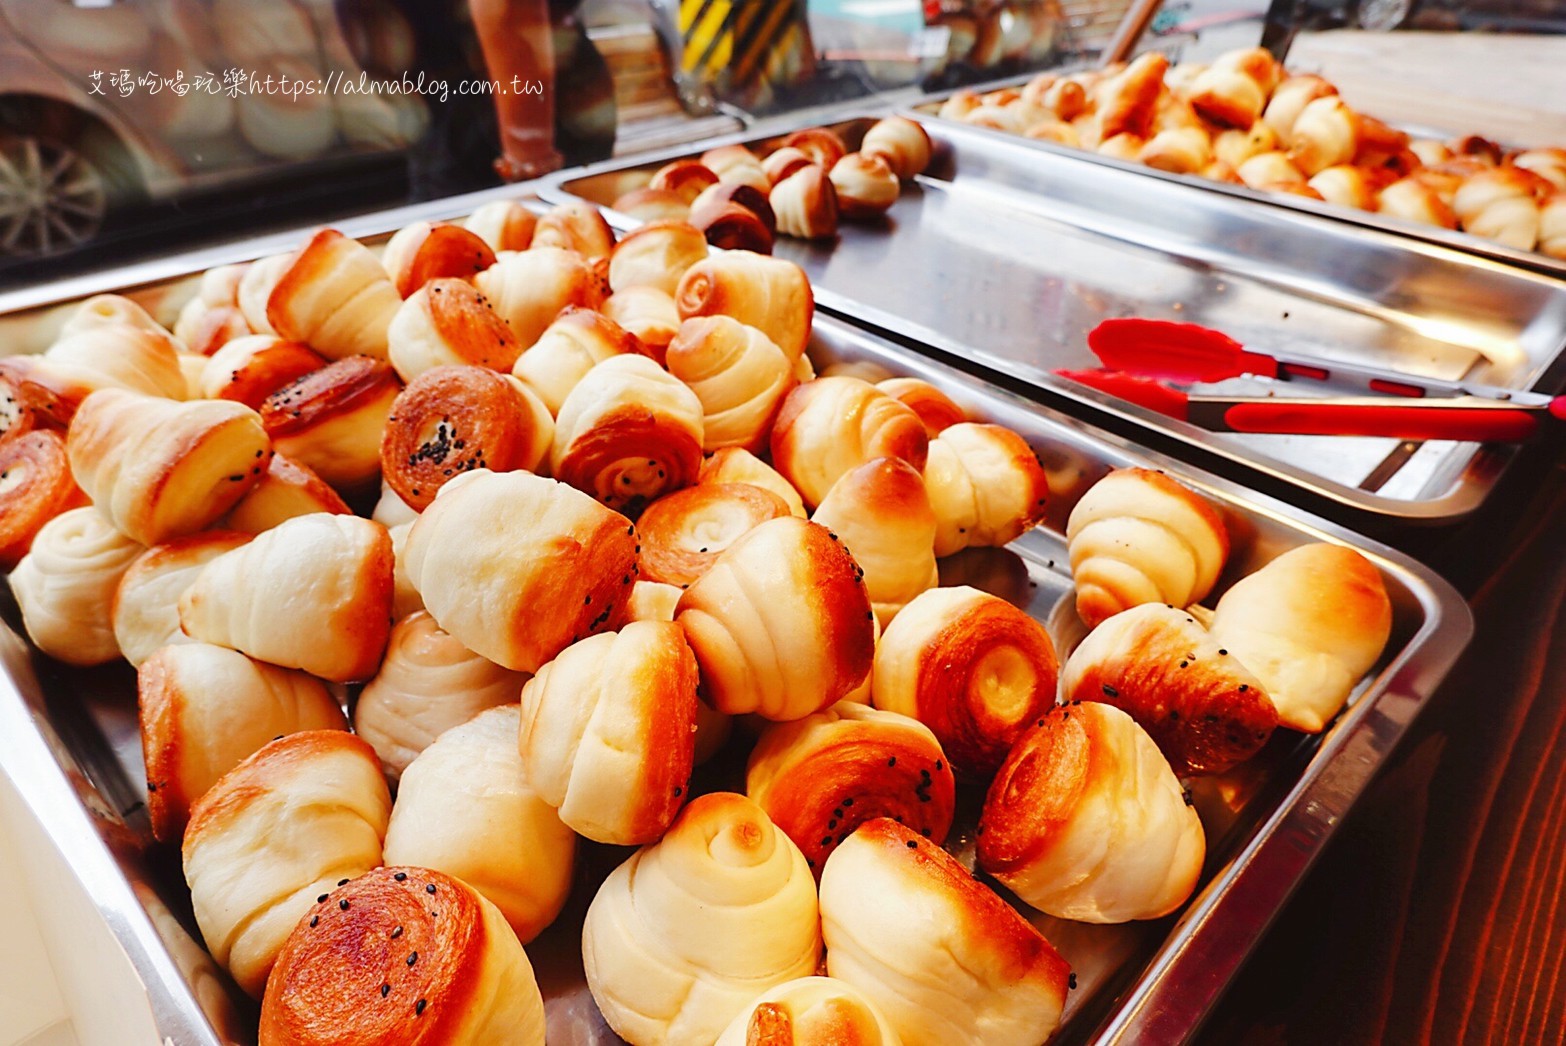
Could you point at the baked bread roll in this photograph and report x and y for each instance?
(1234, 146)
(654, 205)
(683, 533)
(805, 204)
(971, 667)
(1552, 225)
(452, 420)
(1325, 134)
(65, 586)
(1206, 711)
(781, 163)
(656, 255)
(1228, 96)
(822, 776)
(732, 163)
(648, 315)
(1412, 199)
(464, 808)
(902, 143)
(571, 346)
(653, 601)
(38, 486)
(383, 961)
(159, 469)
(314, 593)
(1549, 164)
(575, 226)
(1309, 624)
(426, 251)
(684, 934)
(506, 225)
(685, 178)
(255, 289)
(145, 608)
(1086, 821)
(767, 293)
(958, 105)
(335, 297)
(882, 514)
(1126, 147)
(331, 420)
(737, 465)
(812, 1011)
(206, 321)
(110, 356)
(822, 145)
(1270, 171)
(1137, 537)
(204, 709)
(627, 433)
(271, 837)
(865, 185)
(1052, 130)
(1180, 150)
(518, 567)
(1501, 204)
(829, 426)
(781, 624)
(732, 226)
(528, 289)
(250, 368)
(608, 732)
(1347, 187)
(985, 485)
(448, 322)
(934, 407)
(285, 490)
(427, 684)
(1127, 102)
(943, 958)
(739, 375)
(1290, 99)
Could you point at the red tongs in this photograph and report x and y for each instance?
(1135, 352)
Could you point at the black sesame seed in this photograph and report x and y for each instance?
(396, 932)
(322, 899)
(400, 876)
(342, 882)
(913, 844)
(418, 1008)
(343, 904)
(385, 990)
(314, 919)
(849, 801)
(1110, 691)
(892, 761)
(678, 791)
(1222, 653)
(413, 957)
(826, 840)
(1243, 688)
(430, 888)
(1071, 981)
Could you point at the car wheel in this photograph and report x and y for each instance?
(52, 198)
(1384, 15)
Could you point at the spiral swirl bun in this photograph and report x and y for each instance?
(528, 289)
(934, 407)
(865, 185)
(656, 255)
(427, 251)
(575, 226)
(882, 514)
(684, 533)
(505, 225)
(448, 321)
(824, 146)
(903, 144)
(65, 586)
(830, 426)
(683, 935)
(37, 487)
(572, 345)
(805, 204)
(334, 296)
(737, 465)
(739, 375)
(767, 293)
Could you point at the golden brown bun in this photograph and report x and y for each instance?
(1549, 164)
(312, 593)
(570, 347)
(769, 294)
(739, 375)
(881, 513)
(1290, 99)
(384, 962)
(1414, 200)
(1347, 187)
(736, 465)
(866, 185)
(971, 667)
(824, 146)
(805, 204)
(65, 586)
(782, 163)
(426, 251)
(1327, 133)
(285, 490)
(335, 297)
(1235, 146)
(204, 709)
(528, 289)
(734, 227)
(331, 420)
(1181, 150)
(1136, 537)
(505, 225)
(427, 684)
(608, 732)
(941, 955)
(251, 368)
(272, 835)
(689, 930)
(781, 624)
(729, 162)
(1309, 625)
(933, 406)
(903, 144)
(1270, 170)
(649, 316)
(985, 485)
(1205, 709)
(654, 205)
(575, 226)
(146, 601)
(656, 255)
(1502, 204)
(464, 808)
(446, 322)
(683, 533)
(830, 426)
(810, 1011)
(1128, 101)
(822, 776)
(685, 178)
(38, 486)
(518, 567)
(452, 420)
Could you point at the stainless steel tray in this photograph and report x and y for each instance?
(1001, 258)
(70, 749)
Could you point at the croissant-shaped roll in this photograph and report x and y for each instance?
(1270, 171)
(529, 289)
(865, 185)
(1309, 625)
(331, 420)
(335, 297)
(1205, 709)
(1235, 146)
(157, 468)
(902, 143)
(1183, 150)
(1346, 186)
(737, 373)
(1034, 90)
(937, 952)
(971, 667)
(824, 146)
(464, 808)
(781, 624)
(731, 227)
(1086, 821)
(285, 490)
(684, 178)
(985, 485)
(426, 251)
(933, 406)
(723, 196)
(830, 426)
(1290, 99)
(113, 356)
(572, 345)
(608, 732)
(1128, 101)
(683, 533)
(518, 567)
(255, 289)
(822, 776)
(805, 204)
(1325, 134)
(656, 255)
(249, 598)
(734, 163)
(37, 487)
(146, 601)
(627, 433)
(653, 205)
(737, 465)
(1227, 96)
(1126, 147)
(432, 953)
(205, 709)
(1174, 113)
(505, 225)
(1137, 537)
(811, 1011)
(959, 105)
(205, 328)
(1415, 200)
(65, 586)
(272, 836)
(1552, 225)
(1430, 151)
(1500, 204)
(250, 368)
(647, 314)
(1549, 164)
(683, 935)
(452, 420)
(446, 322)
(769, 294)
(882, 514)
(576, 226)
(427, 684)
(784, 162)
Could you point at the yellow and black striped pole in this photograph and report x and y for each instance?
(742, 44)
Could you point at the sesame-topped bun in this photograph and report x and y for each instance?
(330, 420)
(334, 296)
(882, 513)
(426, 251)
(447, 321)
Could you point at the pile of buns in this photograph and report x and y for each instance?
(1243, 119)
(801, 188)
(609, 540)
